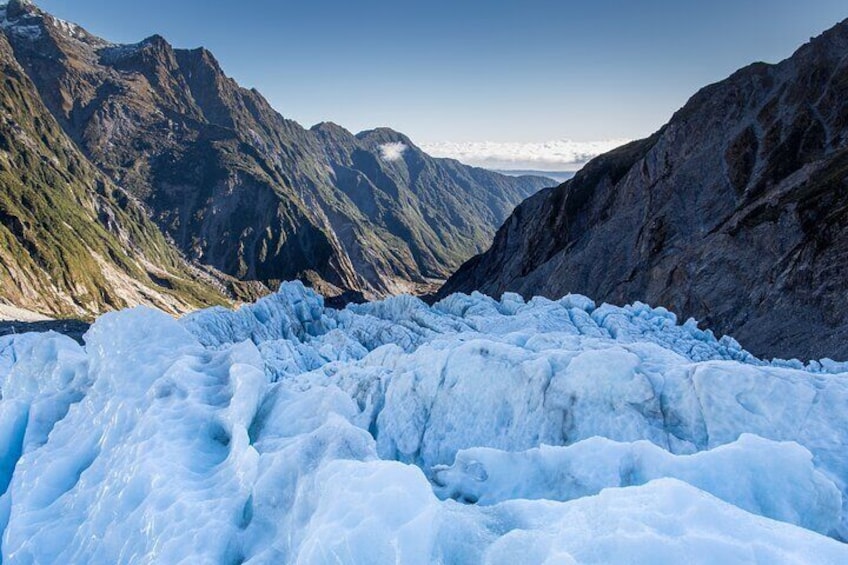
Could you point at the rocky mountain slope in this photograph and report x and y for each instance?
(71, 242)
(243, 190)
(735, 212)
(428, 215)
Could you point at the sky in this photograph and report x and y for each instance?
(519, 72)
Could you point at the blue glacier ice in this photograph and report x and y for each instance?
(473, 430)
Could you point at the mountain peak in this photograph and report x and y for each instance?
(17, 8)
(26, 20)
(384, 135)
(155, 40)
(833, 40)
(22, 18)
(330, 128)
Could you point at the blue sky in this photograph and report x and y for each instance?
(523, 71)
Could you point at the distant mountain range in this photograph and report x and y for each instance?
(735, 212)
(559, 176)
(179, 188)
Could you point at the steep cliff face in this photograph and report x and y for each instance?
(240, 188)
(71, 242)
(735, 212)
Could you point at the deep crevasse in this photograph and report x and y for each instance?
(286, 431)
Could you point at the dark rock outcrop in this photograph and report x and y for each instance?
(735, 213)
(74, 329)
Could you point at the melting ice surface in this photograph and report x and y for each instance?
(470, 431)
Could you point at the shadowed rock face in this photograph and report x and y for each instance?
(241, 189)
(735, 213)
(74, 329)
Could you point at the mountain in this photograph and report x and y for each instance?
(241, 189)
(72, 243)
(735, 213)
(559, 176)
(426, 216)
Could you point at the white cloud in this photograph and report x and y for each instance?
(560, 155)
(392, 151)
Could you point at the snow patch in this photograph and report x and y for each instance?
(68, 28)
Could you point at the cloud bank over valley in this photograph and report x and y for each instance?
(558, 155)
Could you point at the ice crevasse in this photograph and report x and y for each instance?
(473, 430)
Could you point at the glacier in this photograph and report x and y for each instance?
(472, 430)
